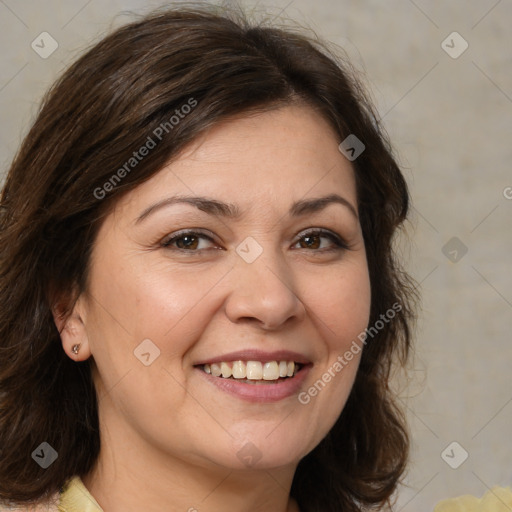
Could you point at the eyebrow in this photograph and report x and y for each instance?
(229, 210)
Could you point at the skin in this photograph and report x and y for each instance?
(170, 438)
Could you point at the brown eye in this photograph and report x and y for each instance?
(187, 241)
(313, 240)
(310, 242)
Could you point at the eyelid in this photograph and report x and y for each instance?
(339, 242)
(167, 240)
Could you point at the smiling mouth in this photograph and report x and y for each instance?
(253, 372)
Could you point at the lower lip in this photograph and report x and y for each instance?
(260, 392)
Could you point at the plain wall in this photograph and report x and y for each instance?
(450, 120)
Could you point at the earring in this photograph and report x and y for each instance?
(76, 348)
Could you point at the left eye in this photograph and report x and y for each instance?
(312, 240)
(191, 241)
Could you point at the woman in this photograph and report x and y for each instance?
(200, 304)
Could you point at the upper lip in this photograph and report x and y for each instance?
(257, 355)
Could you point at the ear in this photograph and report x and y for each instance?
(72, 330)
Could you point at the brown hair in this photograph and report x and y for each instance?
(93, 118)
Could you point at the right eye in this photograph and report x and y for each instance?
(188, 241)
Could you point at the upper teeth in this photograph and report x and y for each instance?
(252, 370)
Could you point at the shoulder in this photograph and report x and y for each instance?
(50, 506)
(73, 497)
(67, 500)
(497, 499)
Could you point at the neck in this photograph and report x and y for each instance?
(124, 480)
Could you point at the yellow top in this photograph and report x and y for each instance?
(76, 498)
(498, 499)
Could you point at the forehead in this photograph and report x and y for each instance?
(267, 159)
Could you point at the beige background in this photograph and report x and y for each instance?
(450, 120)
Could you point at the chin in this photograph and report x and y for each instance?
(264, 451)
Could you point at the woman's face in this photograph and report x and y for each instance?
(178, 283)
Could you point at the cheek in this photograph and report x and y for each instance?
(340, 310)
(341, 304)
(152, 300)
(175, 305)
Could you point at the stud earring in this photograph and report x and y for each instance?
(76, 348)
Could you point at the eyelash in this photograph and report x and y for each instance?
(338, 242)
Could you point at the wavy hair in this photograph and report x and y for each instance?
(97, 113)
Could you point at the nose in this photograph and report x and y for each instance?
(264, 293)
